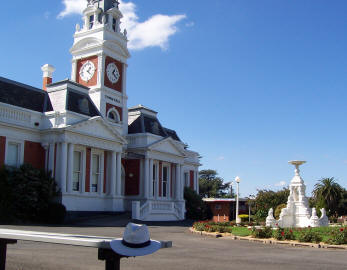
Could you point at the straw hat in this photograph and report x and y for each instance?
(135, 242)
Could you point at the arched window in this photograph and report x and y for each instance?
(113, 115)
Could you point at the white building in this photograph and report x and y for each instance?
(104, 156)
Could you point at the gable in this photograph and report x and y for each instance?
(166, 146)
(95, 127)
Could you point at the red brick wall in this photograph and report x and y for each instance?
(105, 170)
(2, 150)
(225, 210)
(118, 85)
(132, 184)
(87, 182)
(119, 110)
(160, 177)
(46, 81)
(191, 184)
(94, 79)
(34, 154)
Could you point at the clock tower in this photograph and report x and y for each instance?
(99, 60)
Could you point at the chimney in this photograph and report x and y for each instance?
(47, 75)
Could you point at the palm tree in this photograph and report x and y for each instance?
(329, 192)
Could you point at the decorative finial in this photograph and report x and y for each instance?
(297, 163)
(116, 3)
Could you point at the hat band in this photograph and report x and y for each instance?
(131, 245)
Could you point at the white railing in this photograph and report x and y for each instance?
(16, 115)
(151, 209)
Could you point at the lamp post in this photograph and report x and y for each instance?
(238, 220)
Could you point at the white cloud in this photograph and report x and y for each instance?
(221, 158)
(280, 184)
(154, 32)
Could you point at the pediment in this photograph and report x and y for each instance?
(117, 47)
(86, 43)
(166, 146)
(98, 128)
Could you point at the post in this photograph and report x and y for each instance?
(150, 184)
(112, 259)
(3, 250)
(63, 165)
(113, 174)
(70, 168)
(238, 220)
(146, 178)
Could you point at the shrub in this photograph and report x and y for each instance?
(195, 206)
(308, 235)
(25, 194)
(338, 236)
(265, 232)
(260, 215)
(244, 217)
(283, 234)
(279, 209)
(55, 213)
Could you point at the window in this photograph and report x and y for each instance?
(186, 183)
(154, 179)
(77, 162)
(165, 180)
(114, 24)
(13, 154)
(113, 116)
(91, 21)
(95, 172)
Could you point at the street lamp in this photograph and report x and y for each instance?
(238, 220)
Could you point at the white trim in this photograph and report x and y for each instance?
(113, 110)
(165, 165)
(100, 153)
(21, 150)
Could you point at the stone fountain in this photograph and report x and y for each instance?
(297, 213)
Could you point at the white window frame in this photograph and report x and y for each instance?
(100, 153)
(81, 172)
(113, 110)
(155, 178)
(186, 179)
(166, 165)
(20, 143)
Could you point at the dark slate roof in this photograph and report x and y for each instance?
(172, 134)
(148, 124)
(24, 96)
(81, 103)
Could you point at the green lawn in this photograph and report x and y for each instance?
(241, 231)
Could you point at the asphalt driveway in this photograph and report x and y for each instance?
(189, 251)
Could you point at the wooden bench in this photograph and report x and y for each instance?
(105, 253)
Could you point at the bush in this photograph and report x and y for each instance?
(25, 194)
(309, 236)
(283, 234)
(279, 209)
(244, 217)
(265, 232)
(260, 215)
(338, 236)
(55, 213)
(196, 208)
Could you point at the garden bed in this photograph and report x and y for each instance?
(323, 236)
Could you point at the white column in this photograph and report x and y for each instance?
(178, 181)
(182, 184)
(63, 165)
(70, 167)
(156, 184)
(101, 178)
(119, 174)
(113, 176)
(150, 184)
(146, 178)
(51, 158)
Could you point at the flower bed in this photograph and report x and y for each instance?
(329, 235)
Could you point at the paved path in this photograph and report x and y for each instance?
(189, 251)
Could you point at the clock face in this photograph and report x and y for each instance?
(87, 71)
(112, 73)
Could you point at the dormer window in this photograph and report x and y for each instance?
(114, 24)
(113, 116)
(91, 21)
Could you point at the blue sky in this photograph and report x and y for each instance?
(248, 84)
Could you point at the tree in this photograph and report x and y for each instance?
(211, 185)
(267, 199)
(327, 193)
